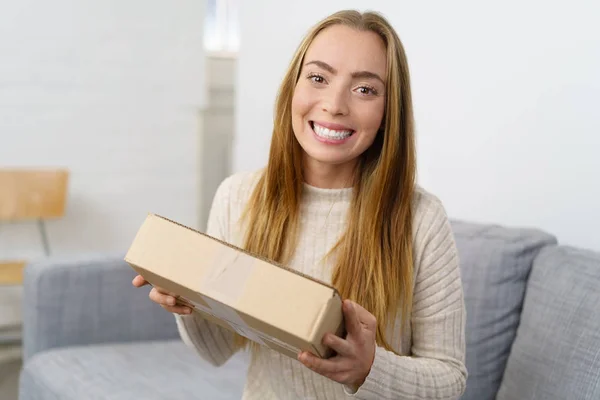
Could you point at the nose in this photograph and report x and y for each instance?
(335, 102)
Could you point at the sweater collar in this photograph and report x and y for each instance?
(316, 194)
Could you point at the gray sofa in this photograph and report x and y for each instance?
(533, 327)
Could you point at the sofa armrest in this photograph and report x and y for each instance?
(88, 301)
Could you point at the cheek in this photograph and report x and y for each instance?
(301, 102)
(371, 117)
(299, 110)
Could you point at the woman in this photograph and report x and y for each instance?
(338, 201)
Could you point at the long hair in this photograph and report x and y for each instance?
(373, 258)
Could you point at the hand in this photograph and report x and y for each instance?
(355, 354)
(166, 300)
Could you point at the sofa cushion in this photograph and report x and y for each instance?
(85, 299)
(556, 354)
(145, 370)
(495, 263)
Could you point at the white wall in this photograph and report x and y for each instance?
(111, 90)
(506, 100)
(217, 129)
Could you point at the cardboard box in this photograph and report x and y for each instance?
(271, 305)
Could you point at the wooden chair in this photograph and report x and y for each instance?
(35, 195)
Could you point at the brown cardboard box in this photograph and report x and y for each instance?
(266, 303)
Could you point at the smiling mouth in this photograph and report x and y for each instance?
(330, 134)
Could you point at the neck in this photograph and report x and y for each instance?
(328, 176)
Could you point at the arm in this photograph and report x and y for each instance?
(436, 369)
(212, 342)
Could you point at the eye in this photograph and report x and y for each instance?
(367, 90)
(316, 78)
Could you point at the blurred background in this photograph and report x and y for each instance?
(148, 105)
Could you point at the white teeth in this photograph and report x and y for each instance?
(330, 134)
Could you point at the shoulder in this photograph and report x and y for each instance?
(229, 203)
(427, 207)
(432, 231)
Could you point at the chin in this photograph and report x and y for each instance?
(327, 157)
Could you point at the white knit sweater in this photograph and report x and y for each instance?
(432, 347)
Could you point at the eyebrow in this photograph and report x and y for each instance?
(357, 74)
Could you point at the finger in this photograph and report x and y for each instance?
(341, 346)
(183, 310)
(329, 367)
(183, 302)
(162, 298)
(164, 291)
(139, 281)
(352, 322)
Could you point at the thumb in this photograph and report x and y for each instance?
(350, 314)
(139, 281)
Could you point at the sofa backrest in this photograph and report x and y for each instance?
(495, 264)
(556, 353)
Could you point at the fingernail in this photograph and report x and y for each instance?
(171, 301)
(188, 310)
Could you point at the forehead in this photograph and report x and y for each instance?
(347, 50)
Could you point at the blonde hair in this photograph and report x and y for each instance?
(378, 273)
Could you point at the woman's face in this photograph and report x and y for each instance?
(339, 99)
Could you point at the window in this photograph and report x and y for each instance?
(222, 27)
